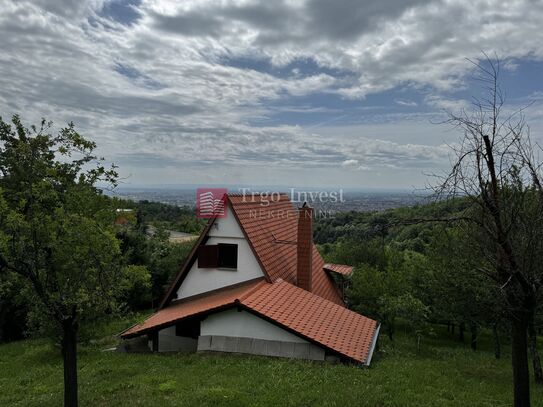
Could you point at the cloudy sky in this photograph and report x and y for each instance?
(341, 93)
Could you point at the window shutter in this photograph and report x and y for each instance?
(228, 255)
(208, 256)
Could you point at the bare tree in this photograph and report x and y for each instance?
(497, 169)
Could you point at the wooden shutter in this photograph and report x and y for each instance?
(228, 255)
(208, 256)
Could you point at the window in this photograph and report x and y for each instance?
(222, 255)
(208, 256)
(189, 327)
(228, 255)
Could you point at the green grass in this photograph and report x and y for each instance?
(443, 373)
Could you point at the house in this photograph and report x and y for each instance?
(255, 283)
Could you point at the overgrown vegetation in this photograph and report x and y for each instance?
(443, 372)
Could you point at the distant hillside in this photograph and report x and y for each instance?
(397, 224)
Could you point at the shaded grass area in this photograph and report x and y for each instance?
(443, 373)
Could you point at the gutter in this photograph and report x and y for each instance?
(373, 344)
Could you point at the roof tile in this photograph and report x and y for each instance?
(302, 312)
(339, 269)
(272, 229)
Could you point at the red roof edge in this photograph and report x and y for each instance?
(218, 290)
(158, 327)
(178, 279)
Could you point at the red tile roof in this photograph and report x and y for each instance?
(183, 309)
(314, 318)
(309, 316)
(272, 230)
(339, 269)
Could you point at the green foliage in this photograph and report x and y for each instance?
(56, 226)
(165, 260)
(390, 293)
(13, 307)
(162, 258)
(135, 287)
(165, 216)
(412, 269)
(459, 291)
(402, 227)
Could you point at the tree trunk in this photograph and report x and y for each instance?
(473, 330)
(452, 328)
(497, 345)
(390, 332)
(461, 329)
(536, 362)
(69, 354)
(519, 352)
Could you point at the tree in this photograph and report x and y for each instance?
(459, 293)
(135, 287)
(389, 293)
(496, 170)
(56, 229)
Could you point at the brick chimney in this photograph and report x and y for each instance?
(304, 270)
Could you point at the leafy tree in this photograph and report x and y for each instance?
(165, 260)
(458, 292)
(390, 293)
(56, 229)
(496, 169)
(135, 287)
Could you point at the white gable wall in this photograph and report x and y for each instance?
(227, 226)
(242, 324)
(224, 230)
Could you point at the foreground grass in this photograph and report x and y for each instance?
(443, 373)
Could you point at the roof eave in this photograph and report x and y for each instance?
(373, 345)
(186, 266)
(159, 327)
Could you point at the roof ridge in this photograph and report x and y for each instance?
(225, 288)
(248, 293)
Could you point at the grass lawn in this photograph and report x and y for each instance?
(444, 373)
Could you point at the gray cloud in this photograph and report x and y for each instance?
(154, 88)
(348, 19)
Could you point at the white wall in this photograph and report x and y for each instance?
(227, 226)
(225, 230)
(242, 324)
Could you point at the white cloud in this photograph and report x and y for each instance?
(349, 163)
(163, 91)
